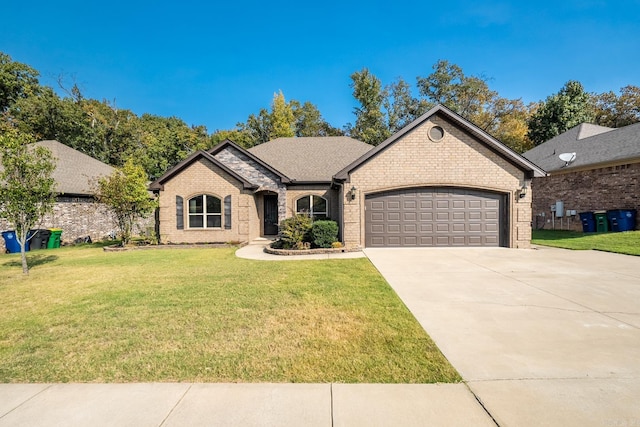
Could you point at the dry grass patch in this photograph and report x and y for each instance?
(203, 315)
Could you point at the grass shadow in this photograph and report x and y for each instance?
(33, 260)
(558, 234)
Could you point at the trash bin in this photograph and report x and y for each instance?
(622, 219)
(588, 222)
(602, 224)
(40, 240)
(54, 240)
(11, 242)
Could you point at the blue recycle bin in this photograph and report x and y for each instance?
(588, 222)
(11, 242)
(622, 219)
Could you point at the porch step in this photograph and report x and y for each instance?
(262, 241)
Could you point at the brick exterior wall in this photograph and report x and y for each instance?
(203, 177)
(458, 160)
(325, 191)
(82, 217)
(606, 188)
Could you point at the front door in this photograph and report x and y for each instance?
(270, 215)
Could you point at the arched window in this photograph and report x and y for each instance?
(315, 206)
(205, 212)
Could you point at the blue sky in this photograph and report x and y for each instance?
(215, 63)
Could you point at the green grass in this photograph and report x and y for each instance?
(627, 242)
(203, 315)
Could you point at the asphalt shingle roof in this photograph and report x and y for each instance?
(592, 144)
(75, 171)
(310, 159)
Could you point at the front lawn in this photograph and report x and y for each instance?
(627, 242)
(203, 315)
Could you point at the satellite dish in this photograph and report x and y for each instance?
(567, 158)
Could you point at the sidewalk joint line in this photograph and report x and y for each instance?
(30, 398)
(175, 406)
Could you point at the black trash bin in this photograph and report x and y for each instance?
(40, 239)
(588, 222)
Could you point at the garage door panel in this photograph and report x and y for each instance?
(433, 217)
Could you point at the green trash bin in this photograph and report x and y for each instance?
(54, 240)
(602, 223)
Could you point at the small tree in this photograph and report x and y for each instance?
(26, 186)
(124, 192)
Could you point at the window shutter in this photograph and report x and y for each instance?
(179, 213)
(227, 213)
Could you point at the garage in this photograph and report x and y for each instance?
(435, 217)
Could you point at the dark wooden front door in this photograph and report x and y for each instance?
(270, 215)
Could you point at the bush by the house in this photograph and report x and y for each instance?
(324, 233)
(295, 232)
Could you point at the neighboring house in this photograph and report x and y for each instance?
(601, 172)
(76, 212)
(440, 181)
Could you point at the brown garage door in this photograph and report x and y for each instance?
(434, 217)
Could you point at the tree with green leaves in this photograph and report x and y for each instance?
(560, 112)
(371, 125)
(282, 118)
(125, 194)
(17, 81)
(26, 185)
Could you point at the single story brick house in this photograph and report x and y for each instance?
(440, 181)
(76, 211)
(601, 172)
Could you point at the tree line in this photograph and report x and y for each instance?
(113, 135)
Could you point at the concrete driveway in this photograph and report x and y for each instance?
(543, 336)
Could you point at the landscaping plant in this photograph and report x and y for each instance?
(324, 233)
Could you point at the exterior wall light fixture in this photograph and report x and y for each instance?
(522, 192)
(352, 193)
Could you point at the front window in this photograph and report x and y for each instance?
(205, 212)
(315, 206)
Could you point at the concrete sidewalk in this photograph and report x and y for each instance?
(255, 250)
(322, 405)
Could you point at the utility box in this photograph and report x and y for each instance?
(559, 208)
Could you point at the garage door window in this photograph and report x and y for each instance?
(315, 206)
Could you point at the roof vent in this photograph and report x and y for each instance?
(567, 158)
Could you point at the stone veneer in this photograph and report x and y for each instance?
(255, 173)
(605, 188)
(458, 160)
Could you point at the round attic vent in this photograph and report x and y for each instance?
(436, 133)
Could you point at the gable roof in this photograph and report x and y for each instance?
(492, 143)
(158, 184)
(228, 143)
(310, 159)
(75, 172)
(592, 144)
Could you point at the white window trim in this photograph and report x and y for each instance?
(311, 212)
(203, 214)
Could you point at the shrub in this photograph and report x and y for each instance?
(324, 233)
(295, 232)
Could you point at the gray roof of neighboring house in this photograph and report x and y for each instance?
(310, 159)
(592, 144)
(75, 172)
